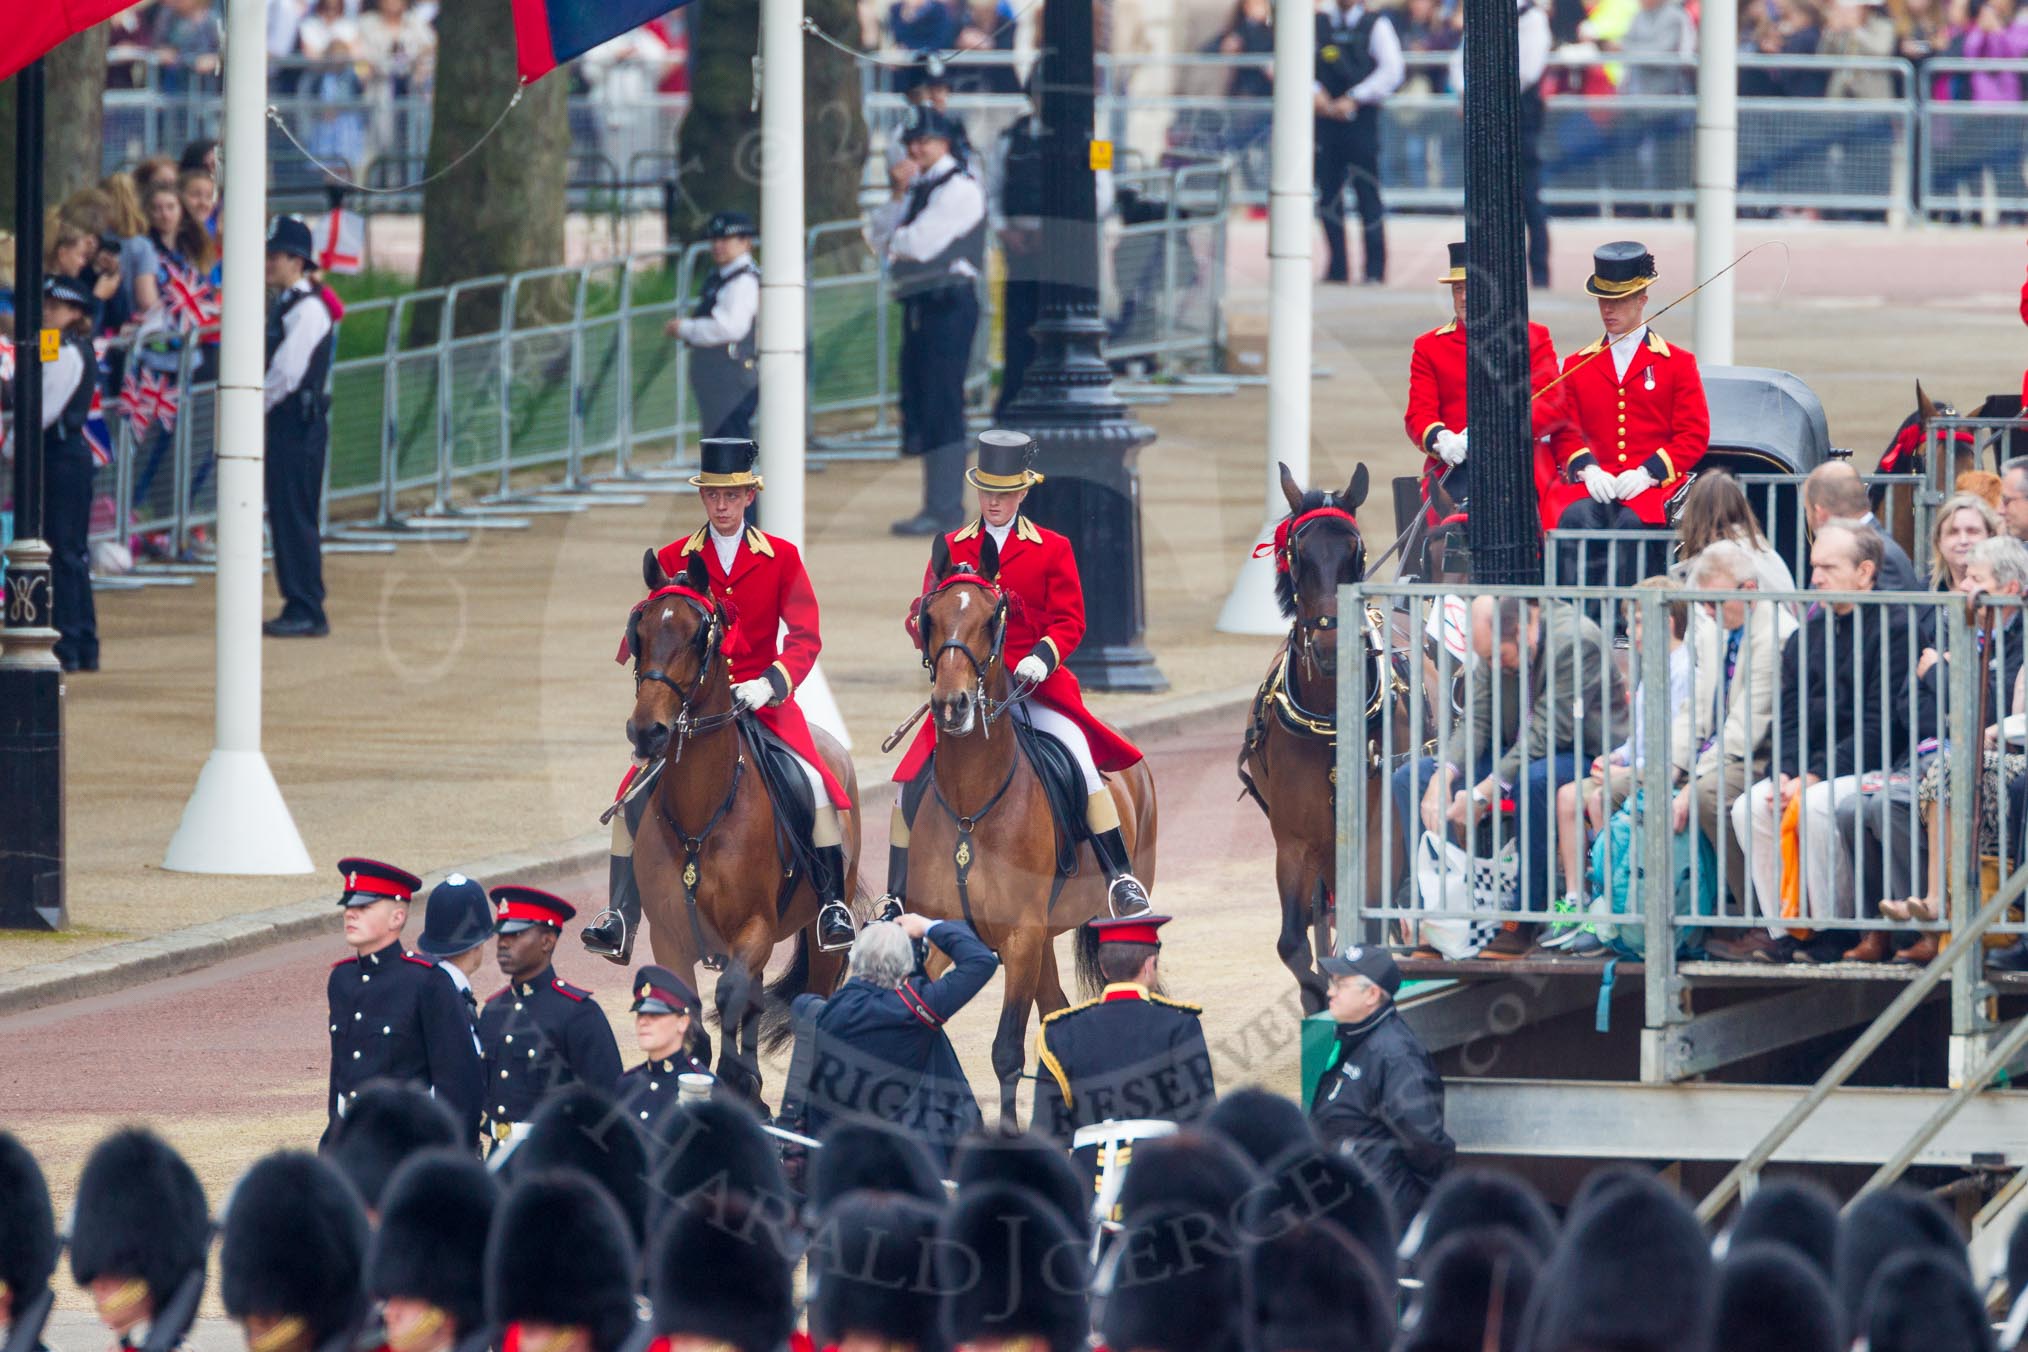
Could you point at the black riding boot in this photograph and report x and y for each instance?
(834, 918)
(611, 935)
(893, 903)
(1124, 893)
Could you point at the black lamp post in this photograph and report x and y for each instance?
(31, 704)
(1087, 439)
(1506, 544)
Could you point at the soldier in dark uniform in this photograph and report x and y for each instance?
(1130, 1053)
(666, 1016)
(138, 1236)
(382, 1129)
(301, 334)
(393, 1015)
(724, 358)
(933, 238)
(68, 384)
(28, 1245)
(1358, 65)
(538, 1032)
(722, 1279)
(427, 1262)
(292, 1258)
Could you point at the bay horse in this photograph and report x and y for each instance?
(984, 847)
(718, 883)
(1288, 762)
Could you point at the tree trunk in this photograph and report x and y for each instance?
(718, 146)
(502, 209)
(74, 84)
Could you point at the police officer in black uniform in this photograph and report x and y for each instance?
(68, 384)
(1131, 1053)
(933, 236)
(456, 926)
(301, 335)
(1358, 65)
(724, 358)
(393, 1015)
(666, 1014)
(538, 1032)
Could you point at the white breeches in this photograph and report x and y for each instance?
(818, 793)
(1045, 719)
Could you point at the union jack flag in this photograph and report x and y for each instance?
(140, 404)
(193, 303)
(97, 435)
(162, 398)
(6, 359)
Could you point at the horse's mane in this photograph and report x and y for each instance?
(1285, 581)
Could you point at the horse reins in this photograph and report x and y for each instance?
(989, 708)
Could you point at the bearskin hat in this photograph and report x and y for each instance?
(1312, 1288)
(1632, 1272)
(1771, 1298)
(382, 1127)
(580, 1128)
(1026, 1161)
(295, 1245)
(27, 1226)
(140, 1213)
(722, 1271)
(1172, 1279)
(714, 1147)
(1481, 1199)
(866, 1154)
(1922, 1300)
(1309, 1184)
(1794, 1212)
(1264, 1125)
(1476, 1286)
(1010, 1266)
(871, 1270)
(1880, 1225)
(560, 1253)
(1192, 1170)
(431, 1242)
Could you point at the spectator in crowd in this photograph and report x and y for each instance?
(1714, 509)
(6, 274)
(1249, 31)
(179, 239)
(125, 223)
(925, 25)
(399, 47)
(198, 189)
(67, 247)
(1882, 829)
(187, 40)
(1963, 521)
(1999, 31)
(199, 154)
(1833, 491)
(1613, 777)
(157, 171)
(1844, 712)
(1719, 743)
(1858, 28)
(989, 27)
(1662, 30)
(1781, 28)
(2014, 497)
(329, 39)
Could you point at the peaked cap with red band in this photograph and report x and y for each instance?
(369, 880)
(657, 990)
(515, 908)
(1135, 929)
(1286, 528)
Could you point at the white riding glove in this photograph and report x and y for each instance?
(1631, 483)
(1032, 669)
(754, 694)
(1602, 486)
(1450, 447)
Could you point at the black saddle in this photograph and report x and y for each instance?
(789, 790)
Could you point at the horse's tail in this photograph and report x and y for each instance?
(1084, 949)
(777, 1023)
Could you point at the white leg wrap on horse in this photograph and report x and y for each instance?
(1045, 719)
(824, 830)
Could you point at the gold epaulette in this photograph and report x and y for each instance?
(1048, 1019)
(695, 542)
(1025, 529)
(759, 543)
(967, 532)
(1175, 1004)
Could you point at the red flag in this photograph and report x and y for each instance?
(547, 33)
(33, 29)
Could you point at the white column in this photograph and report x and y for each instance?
(1717, 177)
(236, 821)
(1251, 608)
(784, 342)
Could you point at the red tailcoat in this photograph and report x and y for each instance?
(1045, 616)
(766, 588)
(1436, 399)
(2024, 320)
(1654, 416)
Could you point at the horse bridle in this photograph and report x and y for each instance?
(989, 708)
(1306, 629)
(686, 725)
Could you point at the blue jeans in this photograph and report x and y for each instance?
(1534, 798)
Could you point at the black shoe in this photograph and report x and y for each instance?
(289, 627)
(1126, 898)
(922, 523)
(1338, 277)
(1124, 893)
(888, 908)
(834, 927)
(611, 935)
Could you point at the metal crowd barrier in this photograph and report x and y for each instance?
(1721, 709)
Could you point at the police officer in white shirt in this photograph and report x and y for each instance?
(68, 384)
(1358, 65)
(724, 366)
(933, 237)
(301, 330)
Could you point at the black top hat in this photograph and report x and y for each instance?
(381, 1128)
(726, 462)
(458, 918)
(140, 1213)
(1620, 269)
(923, 120)
(28, 1245)
(288, 235)
(69, 290)
(1006, 462)
(657, 990)
(431, 1241)
(1457, 269)
(515, 908)
(1375, 964)
(729, 225)
(295, 1247)
(369, 880)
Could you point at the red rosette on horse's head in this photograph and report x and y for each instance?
(1288, 526)
(710, 603)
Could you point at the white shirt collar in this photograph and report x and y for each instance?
(947, 161)
(727, 545)
(457, 975)
(999, 533)
(1624, 348)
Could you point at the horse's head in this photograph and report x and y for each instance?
(963, 627)
(1317, 549)
(677, 640)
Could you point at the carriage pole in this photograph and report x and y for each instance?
(236, 821)
(1251, 608)
(1506, 541)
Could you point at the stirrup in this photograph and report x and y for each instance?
(620, 951)
(832, 945)
(889, 907)
(1125, 897)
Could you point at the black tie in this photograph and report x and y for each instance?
(472, 1006)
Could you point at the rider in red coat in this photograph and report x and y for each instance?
(1436, 420)
(1043, 628)
(760, 581)
(1635, 422)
